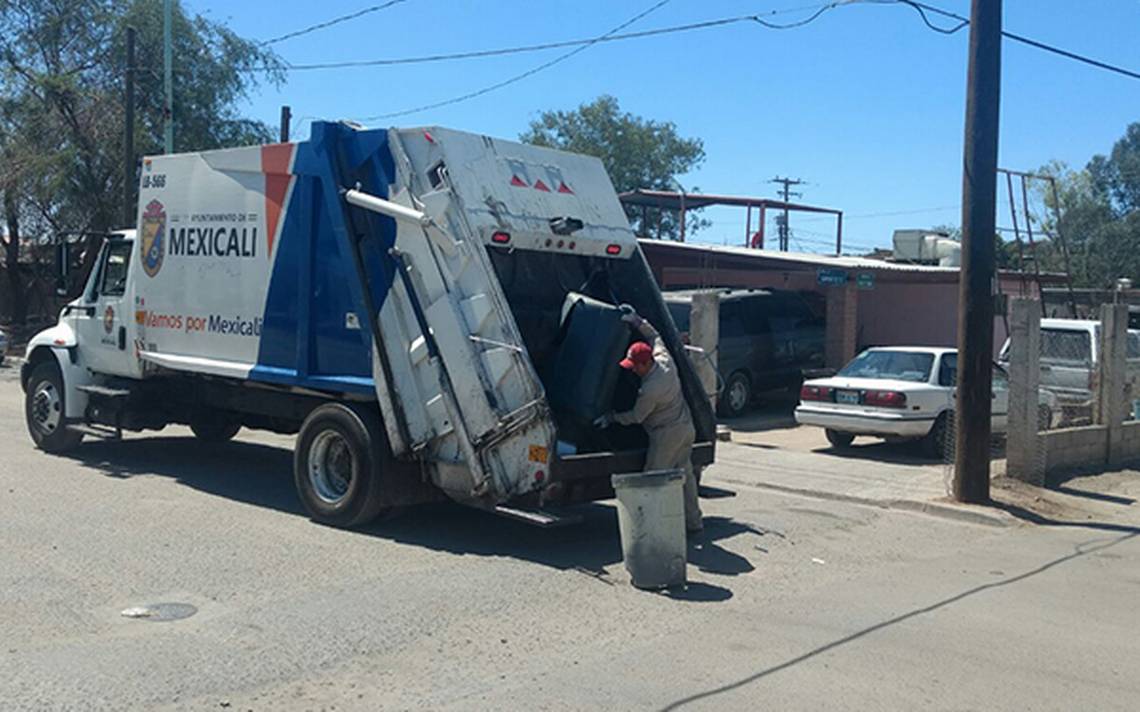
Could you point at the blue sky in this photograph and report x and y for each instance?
(865, 104)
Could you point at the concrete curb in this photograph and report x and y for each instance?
(968, 514)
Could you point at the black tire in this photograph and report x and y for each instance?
(937, 441)
(737, 396)
(839, 440)
(45, 408)
(336, 441)
(217, 430)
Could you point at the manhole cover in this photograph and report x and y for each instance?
(160, 612)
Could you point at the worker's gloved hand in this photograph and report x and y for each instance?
(630, 316)
(604, 421)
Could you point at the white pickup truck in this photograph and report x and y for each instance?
(398, 298)
(1070, 358)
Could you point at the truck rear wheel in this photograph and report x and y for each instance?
(45, 410)
(337, 465)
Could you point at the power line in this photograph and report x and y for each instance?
(524, 75)
(334, 21)
(891, 213)
(962, 22)
(608, 37)
(923, 8)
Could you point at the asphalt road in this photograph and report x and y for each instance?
(795, 604)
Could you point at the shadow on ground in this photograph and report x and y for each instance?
(261, 475)
(890, 452)
(774, 415)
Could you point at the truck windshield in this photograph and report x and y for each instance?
(893, 365)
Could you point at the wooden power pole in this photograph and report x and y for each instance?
(976, 287)
(784, 229)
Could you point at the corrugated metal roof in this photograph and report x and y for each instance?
(803, 258)
(807, 259)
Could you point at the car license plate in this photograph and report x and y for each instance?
(847, 397)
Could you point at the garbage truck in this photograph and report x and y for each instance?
(431, 312)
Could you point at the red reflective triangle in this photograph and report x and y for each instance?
(518, 182)
(539, 185)
(563, 188)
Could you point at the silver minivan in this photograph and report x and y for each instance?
(1070, 352)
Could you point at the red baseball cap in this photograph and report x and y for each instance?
(639, 354)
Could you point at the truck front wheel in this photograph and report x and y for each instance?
(336, 465)
(45, 410)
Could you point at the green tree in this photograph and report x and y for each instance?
(1099, 215)
(637, 152)
(62, 70)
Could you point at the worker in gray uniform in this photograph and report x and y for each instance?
(661, 409)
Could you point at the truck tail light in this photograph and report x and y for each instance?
(885, 399)
(501, 238)
(613, 249)
(815, 393)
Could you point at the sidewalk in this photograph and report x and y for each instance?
(888, 481)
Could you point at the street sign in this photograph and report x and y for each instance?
(831, 277)
(865, 280)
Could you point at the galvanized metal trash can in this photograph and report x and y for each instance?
(651, 518)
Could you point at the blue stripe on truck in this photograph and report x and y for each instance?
(306, 337)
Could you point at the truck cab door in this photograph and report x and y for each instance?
(104, 326)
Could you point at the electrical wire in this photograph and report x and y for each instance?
(477, 54)
(519, 77)
(608, 37)
(335, 21)
(923, 8)
(807, 20)
(962, 22)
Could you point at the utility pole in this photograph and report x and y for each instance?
(286, 115)
(785, 193)
(976, 287)
(129, 135)
(168, 77)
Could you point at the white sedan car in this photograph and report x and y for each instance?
(901, 392)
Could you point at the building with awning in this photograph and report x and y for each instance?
(869, 302)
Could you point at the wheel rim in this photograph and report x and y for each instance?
(738, 395)
(47, 408)
(330, 467)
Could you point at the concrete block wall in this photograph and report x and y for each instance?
(1074, 448)
(1129, 443)
(1110, 443)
